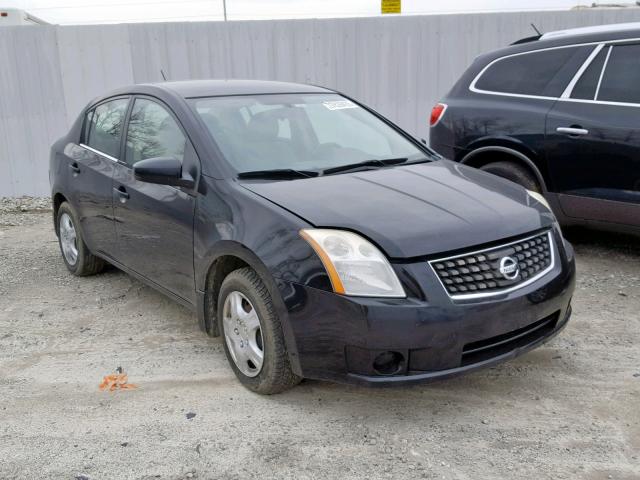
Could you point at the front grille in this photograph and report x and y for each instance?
(498, 269)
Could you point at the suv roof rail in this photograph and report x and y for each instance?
(615, 27)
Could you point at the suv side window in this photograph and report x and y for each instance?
(585, 88)
(152, 132)
(104, 126)
(621, 79)
(539, 73)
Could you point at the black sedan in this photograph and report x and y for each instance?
(315, 236)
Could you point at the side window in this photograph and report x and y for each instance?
(87, 126)
(545, 73)
(621, 79)
(585, 88)
(152, 132)
(105, 126)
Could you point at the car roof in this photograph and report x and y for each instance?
(212, 88)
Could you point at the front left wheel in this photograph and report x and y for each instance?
(252, 334)
(77, 257)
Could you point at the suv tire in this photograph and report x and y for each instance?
(514, 172)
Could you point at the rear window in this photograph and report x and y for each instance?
(541, 73)
(621, 79)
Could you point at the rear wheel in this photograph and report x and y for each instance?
(77, 257)
(514, 172)
(252, 333)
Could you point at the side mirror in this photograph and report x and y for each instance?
(163, 171)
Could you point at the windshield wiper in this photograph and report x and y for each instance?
(367, 163)
(373, 163)
(279, 173)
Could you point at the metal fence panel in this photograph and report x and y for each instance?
(400, 66)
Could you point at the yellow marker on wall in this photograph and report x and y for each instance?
(391, 6)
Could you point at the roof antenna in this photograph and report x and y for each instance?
(165, 77)
(536, 29)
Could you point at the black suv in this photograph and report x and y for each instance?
(559, 114)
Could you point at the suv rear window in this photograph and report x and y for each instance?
(621, 79)
(540, 73)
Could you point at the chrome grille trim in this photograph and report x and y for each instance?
(493, 293)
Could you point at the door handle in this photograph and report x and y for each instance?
(74, 168)
(573, 131)
(122, 193)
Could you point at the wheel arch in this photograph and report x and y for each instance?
(57, 200)
(482, 156)
(228, 256)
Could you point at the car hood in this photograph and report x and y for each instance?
(414, 210)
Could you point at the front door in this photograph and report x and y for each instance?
(593, 140)
(154, 223)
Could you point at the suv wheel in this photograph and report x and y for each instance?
(514, 172)
(253, 339)
(77, 257)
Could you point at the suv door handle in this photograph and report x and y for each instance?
(122, 192)
(573, 131)
(74, 167)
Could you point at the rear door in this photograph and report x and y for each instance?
(154, 223)
(593, 139)
(91, 167)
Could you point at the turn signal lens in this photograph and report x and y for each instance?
(354, 265)
(437, 113)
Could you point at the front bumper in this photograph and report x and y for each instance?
(338, 338)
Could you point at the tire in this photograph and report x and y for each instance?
(275, 374)
(82, 262)
(514, 172)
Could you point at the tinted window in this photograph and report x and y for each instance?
(544, 73)
(105, 126)
(621, 80)
(585, 89)
(153, 132)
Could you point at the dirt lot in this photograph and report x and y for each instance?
(568, 410)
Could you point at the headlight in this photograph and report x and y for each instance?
(539, 198)
(354, 265)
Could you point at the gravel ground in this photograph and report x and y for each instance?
(567, 410)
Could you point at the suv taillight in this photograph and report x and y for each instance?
(437, 113)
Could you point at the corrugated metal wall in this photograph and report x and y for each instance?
(398, 65)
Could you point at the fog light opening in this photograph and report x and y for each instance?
(388, 363)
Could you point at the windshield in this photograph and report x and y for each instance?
(299, 132)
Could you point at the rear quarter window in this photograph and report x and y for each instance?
(539, 73)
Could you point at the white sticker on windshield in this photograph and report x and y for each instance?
(339, 104)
